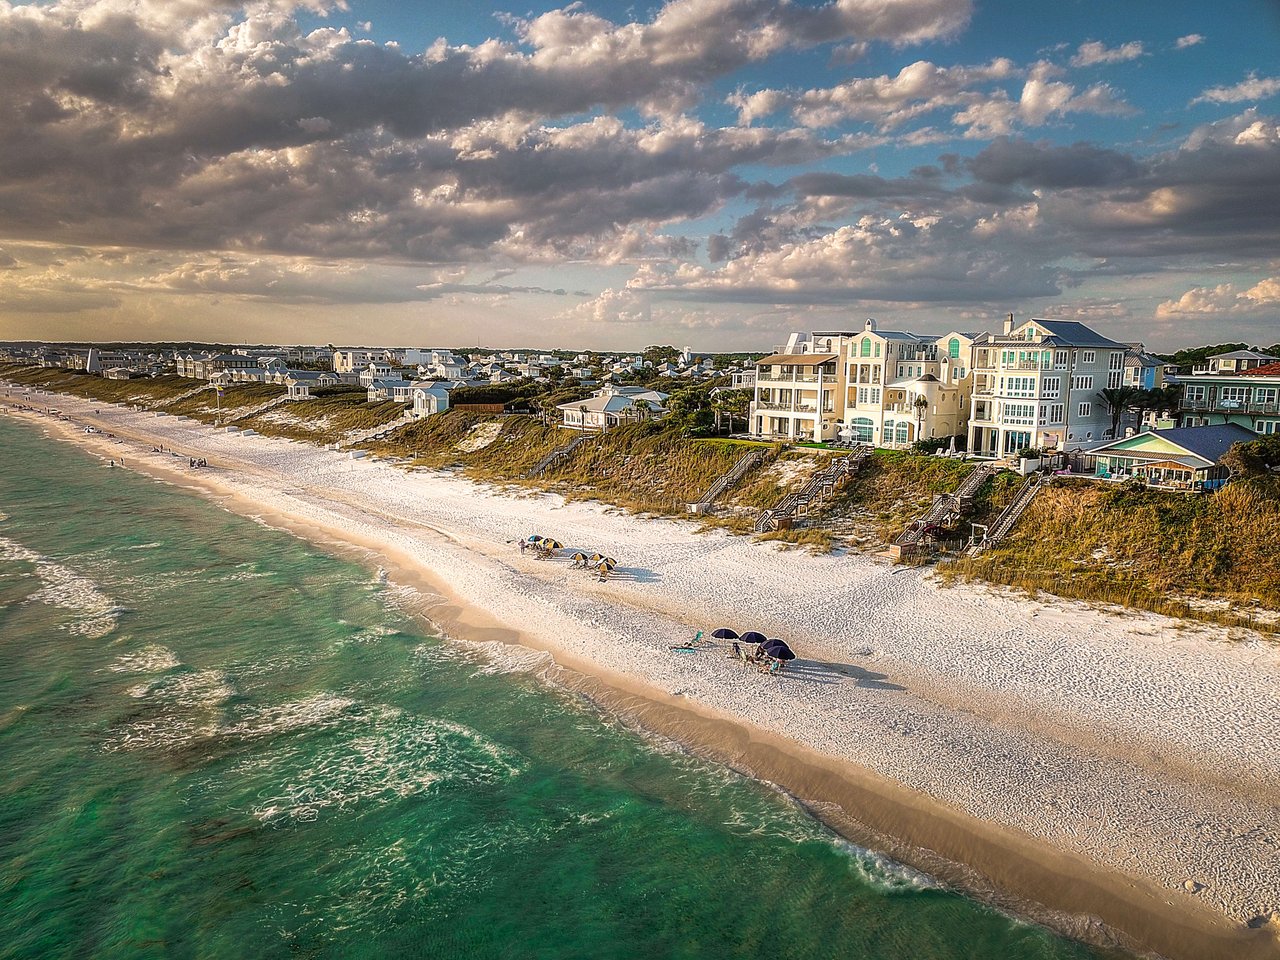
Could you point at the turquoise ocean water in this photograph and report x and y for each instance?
(218, 742)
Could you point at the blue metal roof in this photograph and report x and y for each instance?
(1208, 442)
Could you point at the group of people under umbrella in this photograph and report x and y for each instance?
(770, 653)
(546, 548)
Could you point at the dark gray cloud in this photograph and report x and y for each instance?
(1007, 162)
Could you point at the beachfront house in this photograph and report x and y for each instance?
(428, 399)
(401, 391)
(612, 406)
(300, 383)
(1182, 459)
(797, 388)
(1037, 384)
(886, 387)
(1249, 397)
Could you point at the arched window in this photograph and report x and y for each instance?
(953, 348)
(903, 433)
(866, 346)
(862, 428)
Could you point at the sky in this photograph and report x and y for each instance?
(607, 175)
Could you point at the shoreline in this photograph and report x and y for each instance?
(683, 700)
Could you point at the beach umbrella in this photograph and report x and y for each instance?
(606, 564)
(579, 556)
(597, 557)
(610, 561)
(753, 636)
(550, 544)
(534, 537)
(725, 633)
(777, 649)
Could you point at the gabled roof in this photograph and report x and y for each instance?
(1242, 355)
(1208, 443)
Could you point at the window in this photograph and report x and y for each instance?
(1057, 413)
(902, 435)
(1031, 333)
(1234, 396)
(866, 347)
(953, 348)
(1082, 383)
(1084, 409)
(1089, 356)
(1019, 413)
(1060, 360)
(1050, 386)
(862, 429)
(1113, 378)
(1116, 361)
(1194, 394)
(877, 349)
(862, 396)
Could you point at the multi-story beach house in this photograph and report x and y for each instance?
(890, 388)
(1038, 383)
(1221, 393)
(903, 387)
(798, 387)
(1142, 370)
(350, 361)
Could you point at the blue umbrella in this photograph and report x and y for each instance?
(777, 649)
(725, 633)
(753, 636)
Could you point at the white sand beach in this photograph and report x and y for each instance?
(1134, 758)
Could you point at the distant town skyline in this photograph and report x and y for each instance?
(595, 175)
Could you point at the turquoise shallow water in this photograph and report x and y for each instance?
(218, 742)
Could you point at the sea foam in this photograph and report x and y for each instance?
(96, 614)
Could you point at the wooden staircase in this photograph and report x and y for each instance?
(946, 509)
(746, 463)
(557, 456)
(1009, 516)
(374, 433)
(819, 488)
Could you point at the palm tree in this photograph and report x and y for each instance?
(1117, 400)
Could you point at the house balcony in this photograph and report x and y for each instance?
(773, 407)
(1229, 406)
(790, 378)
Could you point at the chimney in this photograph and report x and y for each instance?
(1008, 326)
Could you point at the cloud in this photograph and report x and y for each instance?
(1252, 87)
(1263, 298)
(1094, 52)
(1007, 162)
(243, 132)
(887, 101)
(887, 259)
(1042, 99)
(1190, 40)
